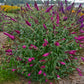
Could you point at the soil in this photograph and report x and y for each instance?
(73, 79)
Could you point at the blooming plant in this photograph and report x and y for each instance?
(10, 9)
(46, 43)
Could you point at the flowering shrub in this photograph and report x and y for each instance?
(45, 45)
(10, 9)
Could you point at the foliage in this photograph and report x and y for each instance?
(43, 46)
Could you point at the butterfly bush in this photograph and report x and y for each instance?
(46, 42)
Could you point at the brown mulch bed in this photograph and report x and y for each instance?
(73, 79)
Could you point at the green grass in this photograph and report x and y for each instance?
(6, 75)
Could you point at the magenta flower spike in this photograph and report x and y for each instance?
(28, 23)
(43, 60)
(13, 19)
(72, 52)
(44, 44)
(31, 65)
(57, 17)
(36, 6)
(46, 41)
(44, 26)
(46, 54)
(10, 36)
(80, 74)
(82, 58)
(40, 72)
(51, 83)
(56, 43)
(81, 31)
(48, 9)
(58, 76)
(29, 82)
(51, 18)
(17, 31)
(44, 74)
(9, 50)
(24, 46)
(78, 69)
(28, 6)
(62, 63)
(29, 74)
(13, 70)
(43, 66)
(29, 60)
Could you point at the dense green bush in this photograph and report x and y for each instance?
(43, 45)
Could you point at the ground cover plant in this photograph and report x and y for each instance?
(45, 44)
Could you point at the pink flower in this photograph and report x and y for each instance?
(17, 31)
(29, 82)
(72, 24)
(63, 38)
(71, 56)
(44, 74)
(51, 18)
(29, 60)
(73, 33)
(80, 38)
(46, 54)
(29, 74)
(13, 70)
(32, 58)
(44, 26)
(64, 18)
(10, 36)
(31, 65)
(80, 74)
(48, 9)
(13, 19)
(43, 66)
(57, 44)
(76, 58)
(64, 26)
(57, 18)
(42, 60)
(24, 46)
(72, 52)
(40, 72)
(28, 6)
(62, 63)
(9, 50)
(3, 46)
(46, 41)
(78, 69)
(28, 23)
(33, 46)
(44, 44)
(82, 58)
(46, 80)
(36, 6)
(58, 76)
(51, 83)
(81, 31)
